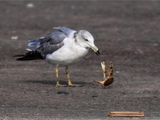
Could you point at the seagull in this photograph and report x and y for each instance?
(62, 47)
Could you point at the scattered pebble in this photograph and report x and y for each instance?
(117, 72)
(30, 5)
(14, 37)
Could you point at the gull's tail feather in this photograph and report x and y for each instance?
(30, 55)
(36, 42)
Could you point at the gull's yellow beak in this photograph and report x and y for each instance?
(95, 49)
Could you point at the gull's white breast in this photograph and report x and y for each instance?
(70, 53)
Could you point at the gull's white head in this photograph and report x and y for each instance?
(86, 40)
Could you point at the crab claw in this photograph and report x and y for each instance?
(107, 80)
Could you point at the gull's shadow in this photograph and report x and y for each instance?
(52, 82)
(48, 82)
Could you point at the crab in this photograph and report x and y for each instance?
(107, 80)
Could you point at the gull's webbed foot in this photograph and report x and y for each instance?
(107, 80)
(60, 85)
(73, 85)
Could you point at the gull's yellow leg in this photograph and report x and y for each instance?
(68, 78)
(57, 83)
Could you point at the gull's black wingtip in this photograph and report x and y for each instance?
(30, 55)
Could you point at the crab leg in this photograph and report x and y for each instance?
(107, 80)
(104, 68)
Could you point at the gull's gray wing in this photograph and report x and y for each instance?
(65, 30)
(49, 43)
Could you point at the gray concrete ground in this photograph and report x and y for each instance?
(127, 34)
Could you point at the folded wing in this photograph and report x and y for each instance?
(51, 42)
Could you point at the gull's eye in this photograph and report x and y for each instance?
(86, 39)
